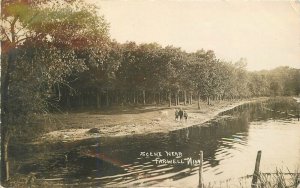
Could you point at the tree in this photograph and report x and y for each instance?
(128, 72)
(175, 61)
(98, 78)
(241, 79)
(258, 84)
(205, 74)
(34, 46)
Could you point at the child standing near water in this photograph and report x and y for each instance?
(180, 114)
(176, 114)
(185, 115)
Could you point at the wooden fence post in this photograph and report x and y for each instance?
(256, 170)
(298, 111)
(201, 170)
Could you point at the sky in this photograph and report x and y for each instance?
(266, 33)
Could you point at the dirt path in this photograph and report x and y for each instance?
(138, 120)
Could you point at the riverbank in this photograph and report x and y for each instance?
(232, 145)
(128, 121)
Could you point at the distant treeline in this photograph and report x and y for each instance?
(152, 74)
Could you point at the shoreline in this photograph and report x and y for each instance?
(152, 119)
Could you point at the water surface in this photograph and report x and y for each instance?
(229, 142)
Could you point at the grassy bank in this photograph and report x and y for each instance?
(278, 179)
(129, 120)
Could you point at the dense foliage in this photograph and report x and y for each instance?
(152, 74)
(43, 43)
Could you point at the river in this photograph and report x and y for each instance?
(229, 142)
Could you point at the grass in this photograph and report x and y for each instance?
(279, 179)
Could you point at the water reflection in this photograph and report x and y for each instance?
(225, 141)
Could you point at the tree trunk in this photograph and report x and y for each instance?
(158, 97)
(144, 97)
(5, 113)
(68, 101)
(80, 100)
(184, 97)
(191, 98)
(107, 100)
(128, 97)
(176, 101)
(59, 93)
(5, 81)
(123, 97)
(208, 100)
(170, 99)
(4, 155)
(98, 99)
(87, 98)
(154, 98)
(134, 97)
(117, 97)
(198, 100)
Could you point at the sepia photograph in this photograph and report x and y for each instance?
(150, 93)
